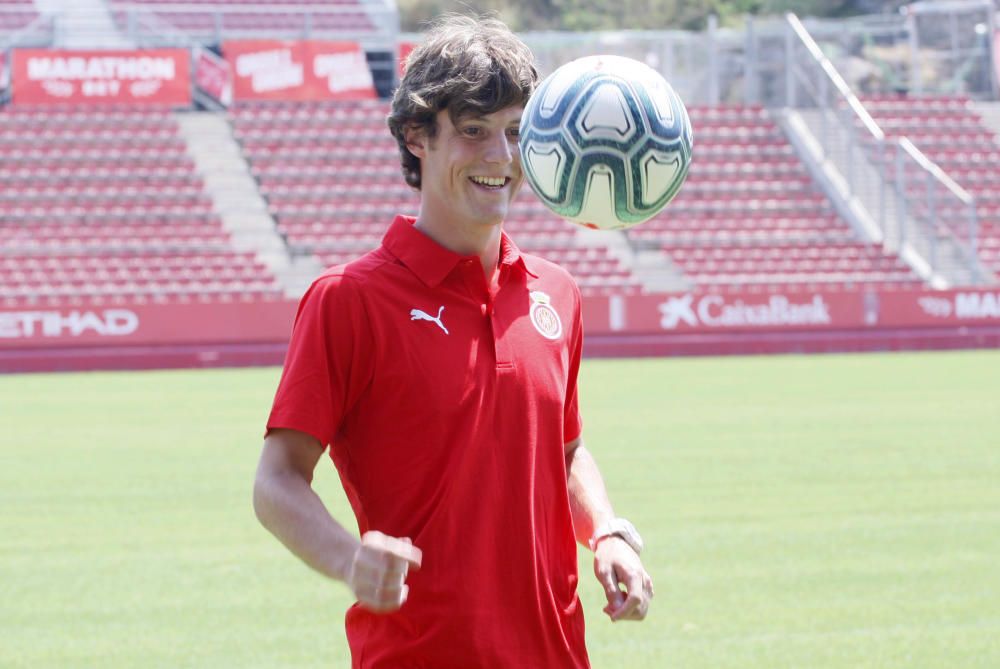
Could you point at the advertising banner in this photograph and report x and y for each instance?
(776, 311)
(969, 307)
(687, 313)
(299, 70)
(146, 324)
(52, 76)
(675, 313)
(4, 72)
(214, 76)
(405, 49)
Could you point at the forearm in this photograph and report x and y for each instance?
(588, 498)
(292, 511)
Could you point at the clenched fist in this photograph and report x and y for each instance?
(378, 571)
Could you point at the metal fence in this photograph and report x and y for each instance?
(942, 47)
(373, 24)
(912, 200)
(930, 47)
(940, 211)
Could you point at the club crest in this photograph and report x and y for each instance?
(544, 317)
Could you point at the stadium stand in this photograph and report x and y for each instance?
(949, 131)
(750, 216)
(199, 229)
(330, 172)
(246, 18)
(105, 203)
(16, 14)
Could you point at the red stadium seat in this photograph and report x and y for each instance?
(950, 132)
(107, 203)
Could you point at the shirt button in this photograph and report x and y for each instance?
(482, 309)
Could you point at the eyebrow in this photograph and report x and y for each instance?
(471, 118)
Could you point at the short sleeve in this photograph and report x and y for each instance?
(329, 360)
(572, 421)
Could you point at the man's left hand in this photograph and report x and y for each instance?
(628, 587)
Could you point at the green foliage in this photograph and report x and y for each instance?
(593, 15)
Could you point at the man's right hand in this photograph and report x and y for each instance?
(378, 571)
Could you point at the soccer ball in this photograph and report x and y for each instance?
(605, 142)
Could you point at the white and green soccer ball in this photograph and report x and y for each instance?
(605, 142)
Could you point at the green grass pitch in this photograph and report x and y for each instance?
(799, 512)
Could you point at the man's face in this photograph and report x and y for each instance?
(471, 171)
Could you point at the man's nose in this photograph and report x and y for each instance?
(500, 150)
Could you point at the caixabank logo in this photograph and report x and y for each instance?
(30, 324)
(716, 311)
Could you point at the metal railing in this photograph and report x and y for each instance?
(939, 47)
(928, 211)
(942, 210)
(844, 123)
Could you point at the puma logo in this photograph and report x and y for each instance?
(419, 315)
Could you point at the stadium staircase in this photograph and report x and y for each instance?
(952, 134)
(855, 187)
(237, 200)
(85, 24)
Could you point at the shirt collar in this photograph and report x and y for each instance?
(432, 262)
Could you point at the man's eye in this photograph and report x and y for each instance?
(514, 132)
(471, 131)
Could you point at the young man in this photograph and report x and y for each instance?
(441, 371)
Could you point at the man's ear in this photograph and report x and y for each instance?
(416, 140)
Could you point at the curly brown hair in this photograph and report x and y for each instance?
(469, 66)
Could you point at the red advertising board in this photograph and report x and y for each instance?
(145, 324)
(676, 313)
(695, 312)
(926, 308)
(299, 70)
(699, 312)
(214, 76)
(52, 76)
(405, 49)
(4, 72)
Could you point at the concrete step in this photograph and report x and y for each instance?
(237, 199)
(82, 24)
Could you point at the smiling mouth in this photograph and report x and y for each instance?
(490, 183)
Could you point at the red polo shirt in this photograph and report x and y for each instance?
(446, 409)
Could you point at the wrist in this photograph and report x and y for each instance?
(619, 528)
(600, 541)
(342, 564)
